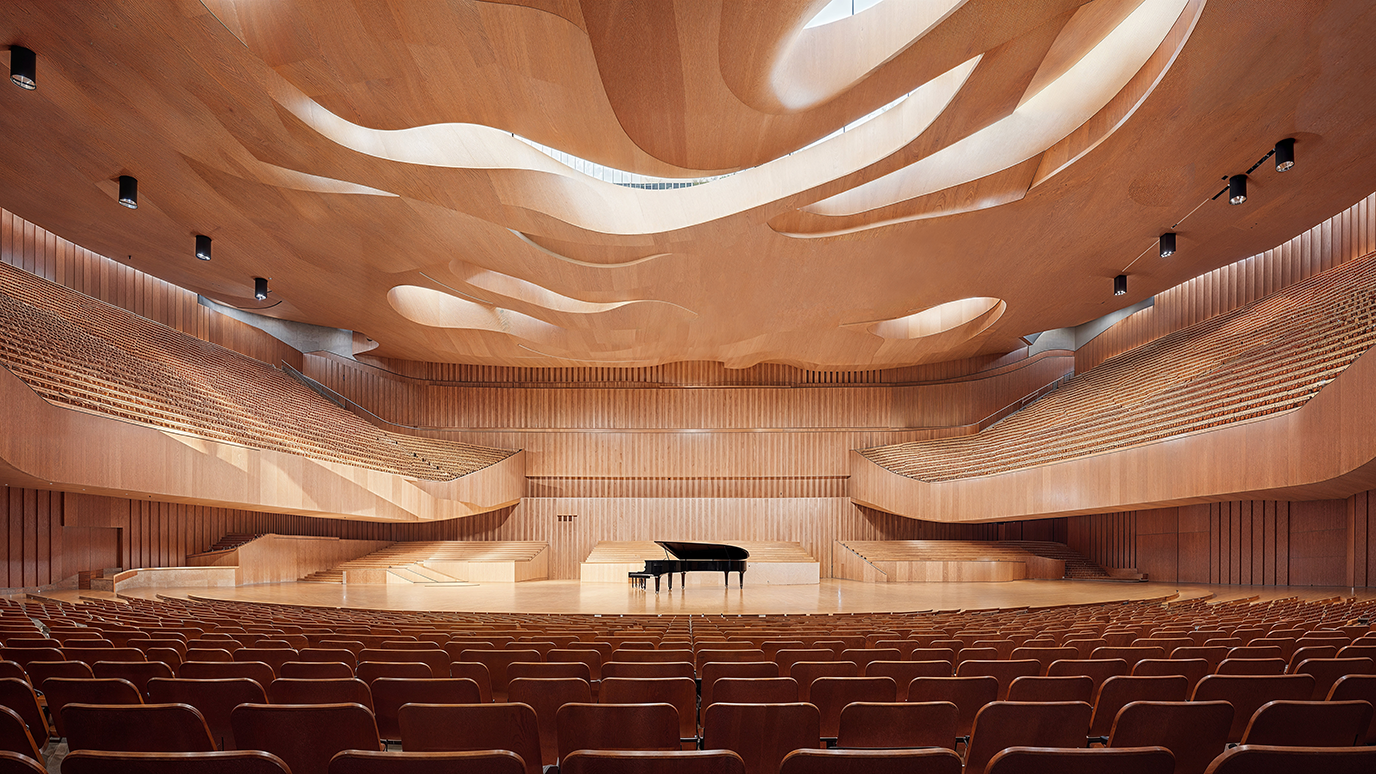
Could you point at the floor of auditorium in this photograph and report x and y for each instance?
(830, 596)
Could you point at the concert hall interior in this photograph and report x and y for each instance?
(574, 354)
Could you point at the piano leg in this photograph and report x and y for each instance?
(656, 584)
(683, 581)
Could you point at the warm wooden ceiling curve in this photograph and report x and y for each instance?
(428, 180)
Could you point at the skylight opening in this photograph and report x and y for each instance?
(837, 10)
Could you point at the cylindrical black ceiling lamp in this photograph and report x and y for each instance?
(1237, 189)
(260, 288)
(1167, 244)
(1285, 154)
(23, 68)
(129, 192)
(1120, 285)
(203, 247)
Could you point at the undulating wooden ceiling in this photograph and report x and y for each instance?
(377, 160)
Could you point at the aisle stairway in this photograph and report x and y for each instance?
(1077, 565)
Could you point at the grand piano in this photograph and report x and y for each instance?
(684, 558)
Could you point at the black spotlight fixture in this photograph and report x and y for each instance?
(1120, 285)
(1237, 189)
(1167, 244)
(129, 192)
(203, 247)
(260, 288)
(1285, 154)
(23, 68)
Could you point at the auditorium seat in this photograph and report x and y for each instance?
(1003, 671)
(762, 734)
(1251, 666)
(898, 724)
(1327, 671)
(1003, 724)
(969, 694)
(1194, 731)
(754, 690)
(305, 736)
(679, 692)
(1097, 670)
(647, 762)
(61, 691)
(1248, 692)
(1078, 688)
(1118, 692)
(472, 727)
(662, 669)
(328, 655)
(437, 660)
(374, 762)
(213, 698)
(1260, 759)
(368, 671)
(256, 671)
(1309, 724)
(1043, 760)
(831, 695)
(390, 694)
(230, 762)
(19, 696)
(546, 695)
(136, 728)
(316, 670)
(345, 690)
(807, 672)
(870, 762)
(497, 662)
(529, 669)
(1192, 669)
(136, 672)
(15, 736)
(618, 727)
(38, 671)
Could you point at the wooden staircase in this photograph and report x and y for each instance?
(1077, 565)
(405, 561)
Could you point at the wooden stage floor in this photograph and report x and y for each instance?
(830, 596)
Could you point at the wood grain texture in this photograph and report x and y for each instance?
(1348, 235)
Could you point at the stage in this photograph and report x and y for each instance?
(830, 596)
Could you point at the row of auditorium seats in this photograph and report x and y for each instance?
(1125, 676)
(1270, 356)
(83, 353)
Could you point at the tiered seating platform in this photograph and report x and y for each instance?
(770, 563)
(899, 561)
(84, 354)
(444, 562)
(1269, 357)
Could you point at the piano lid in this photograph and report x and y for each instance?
(703, 551)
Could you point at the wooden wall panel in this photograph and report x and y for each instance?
(1361, 540)
(1349, 234)
(40, 252)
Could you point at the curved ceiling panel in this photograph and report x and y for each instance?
(940, 318)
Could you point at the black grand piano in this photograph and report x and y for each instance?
(692, 557)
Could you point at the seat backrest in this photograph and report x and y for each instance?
(1256, 651)
(1261, 759)
(1099, 760)
(589, 656)
(617, 727)
(1309, 724)
(661, 669)
(497, 662)
(546, 695)
(316, 670)
(1251, 666)
(862, 657)
(1129, 654)
(136, 672)
(787, 657)
(1097, 670)
(1248, 692)
(305, 736)
(933, 654)
(368, 671)
(256, 671)
(728, 654)
(969, 694)
(831, 694)
(1004, 724)
(92, 655)
(652, 654)
(1213, 654)
(38, 671)
(1004, 671)
(19, 696)
(714, 671)
(391, 693)
(472, 762)
(329, 655)
(214, 699)
(438, 660)
(575, 669)
(754, 690)
(273, 657)
(1044, 655)
(1118, 692)
(1074, 688)
(1192, 669)
(206, 654)
(681, 692)
(137, 728)
(343, 690)
(61, 691)
(231, 762)
(898, 724)
(460, 727)
(1361, 687)
(904, 672)
(1327, 671)
(652, 762)
(805, 672)
(15, 736)
(1194, 731)
(762, 734)
(870, 762)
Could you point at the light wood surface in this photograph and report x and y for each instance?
(770, 563)
(937, 561)
(388, 147)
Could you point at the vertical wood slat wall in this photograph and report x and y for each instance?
(1239, 542)
(1348, 235)
(37, 251)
